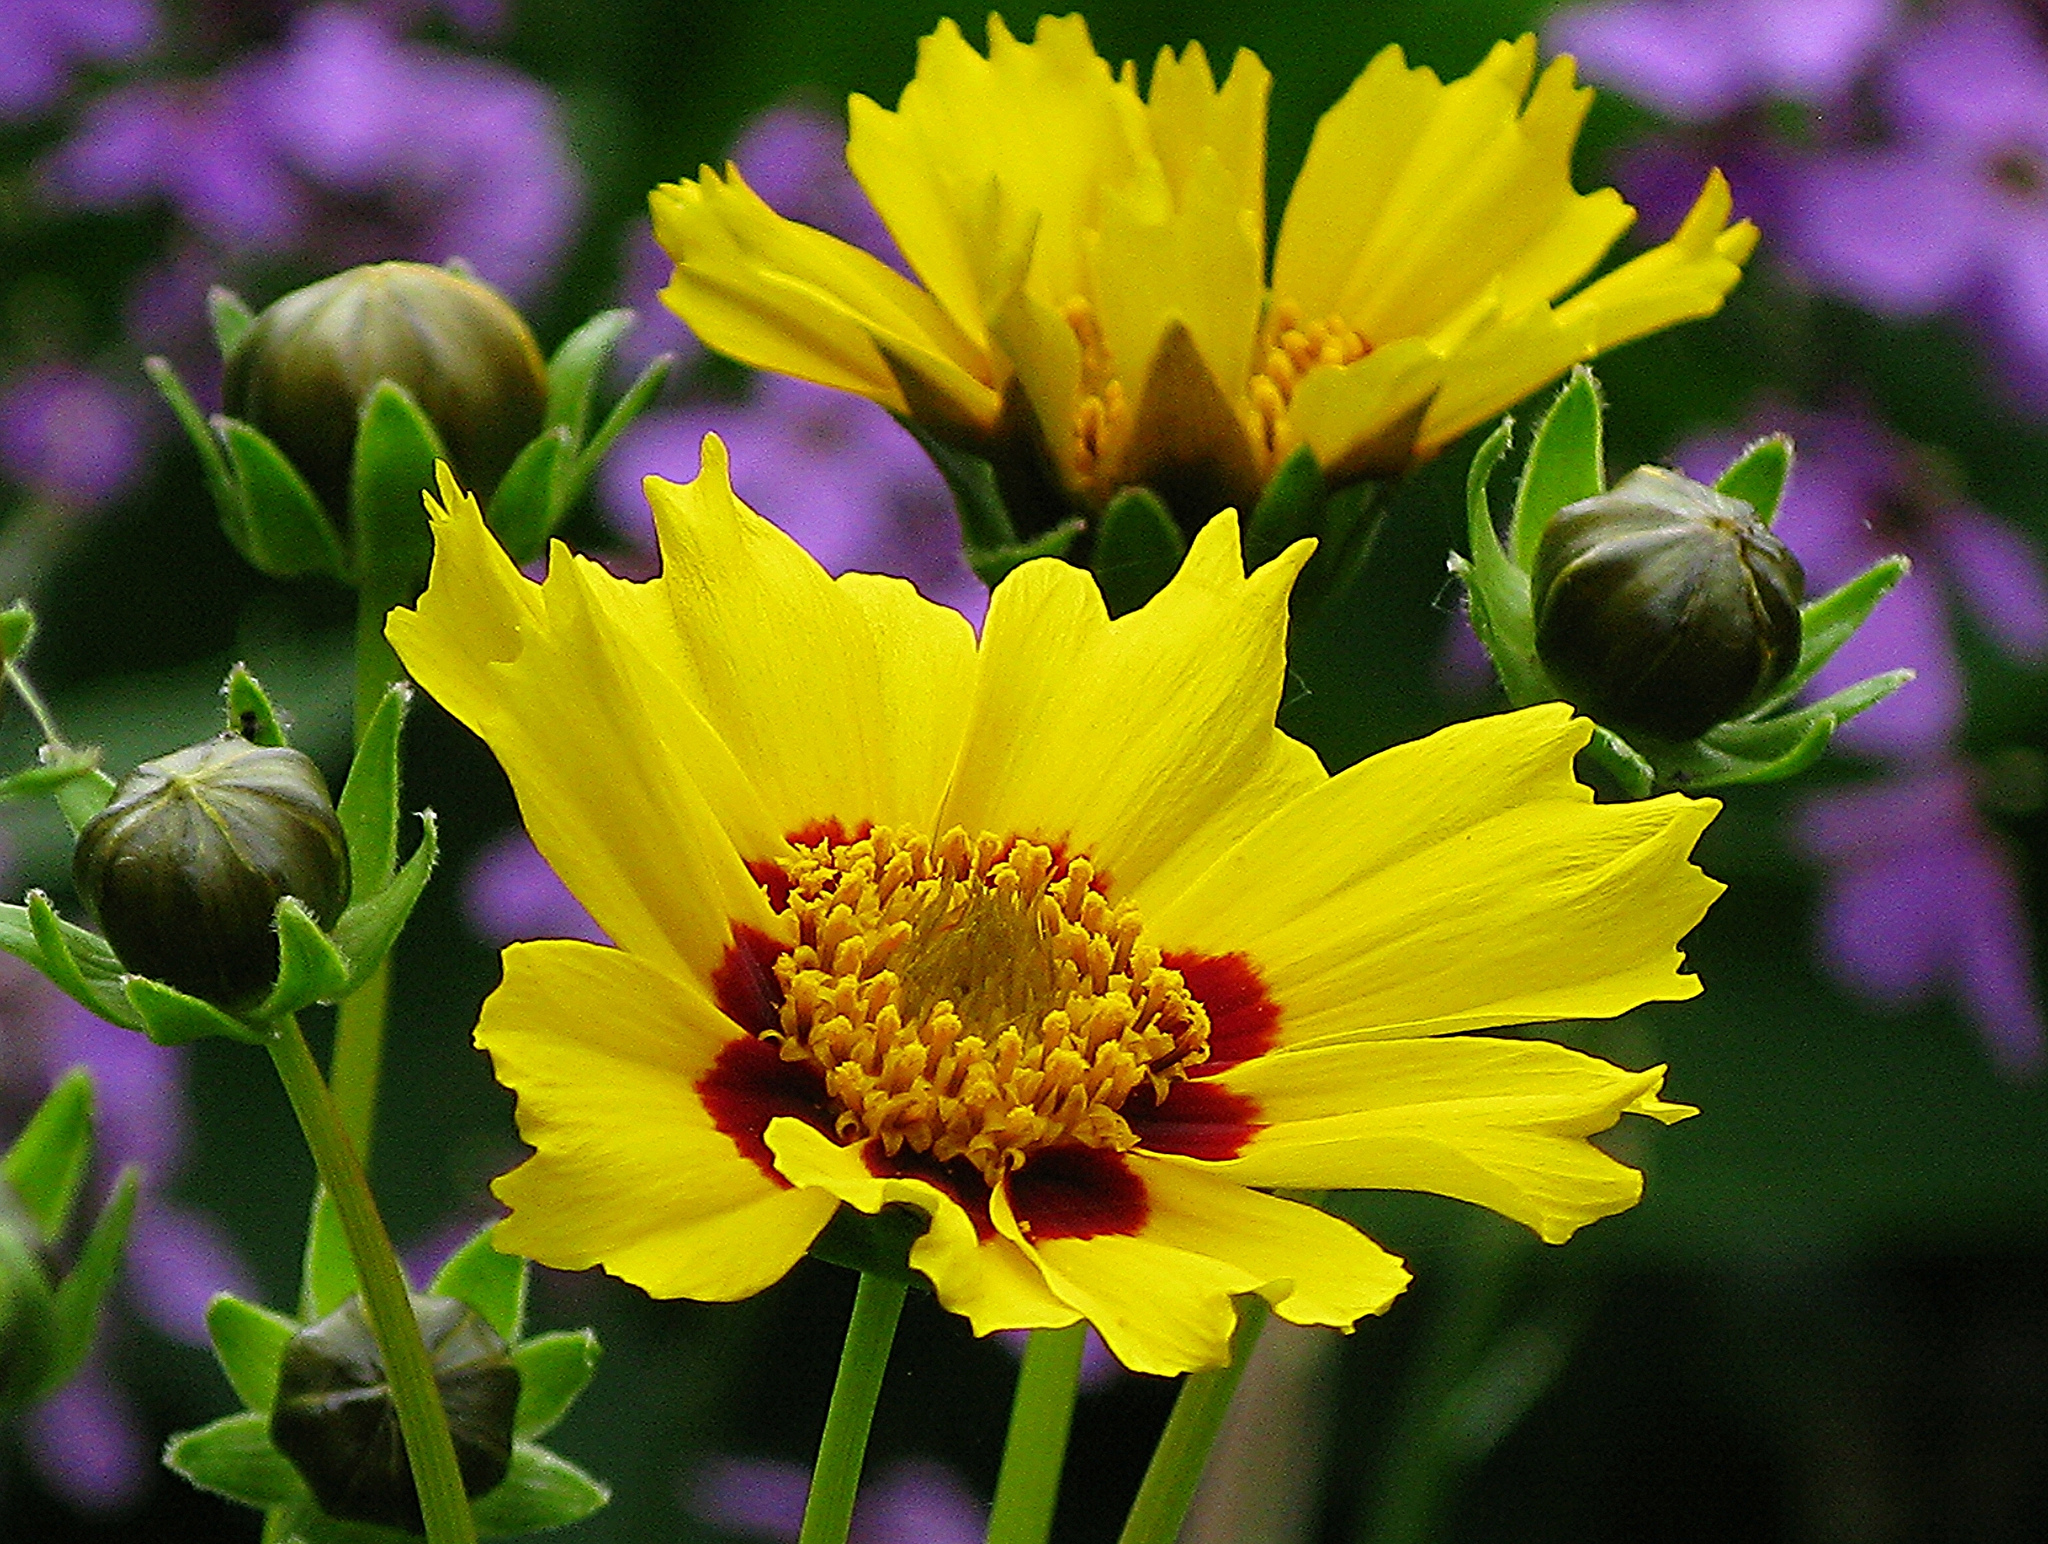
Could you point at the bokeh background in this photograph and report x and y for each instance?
(1829, 1319)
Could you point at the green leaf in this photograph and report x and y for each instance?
(992, 565)
(310, 969)
(288, 533)
(80, 1294)
(213, 461)
(369, 800)
(250, 713)
(553, 1370)
(493, 1284)
(231, 318)
(79, 962)
(233, 1457)
(17, 631)
(1770, 752)
(47, 1162)
(522, 511)
(305, 1523)
(371, 925)
(1286, 510)
(249, 1342)
(1497, 592)
(1758, 475)
(985, 524)
(1137, 550)
(1828, 623)
(66, 767)
(327, 1272)
(576, 367)
(169, 1017)
(396, 448)
(543, 1490)
(1566, 464)
(646, 385)
(84, 789)
(28, 1321)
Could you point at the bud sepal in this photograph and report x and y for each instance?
(1760, 733)
(237, 1457)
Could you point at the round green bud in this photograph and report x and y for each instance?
(185, 866)
(1663, 607)
(302, 371)
(335, 1419)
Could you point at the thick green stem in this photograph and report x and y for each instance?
(1176, 1467)
(841, 1450)
(1041, 1414)
(386, 1303)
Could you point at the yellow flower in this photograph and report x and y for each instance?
(1053, 937)
(1094, 276)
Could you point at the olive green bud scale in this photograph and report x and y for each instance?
(1663, 607)
(185, 866)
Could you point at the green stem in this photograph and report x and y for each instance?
(1176, 1468)
(358, 1063)
(836, 1478)
(37, 708)
(386, 1302)
(1028, 1488)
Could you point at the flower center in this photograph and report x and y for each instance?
(1295, 346)
(976, 997)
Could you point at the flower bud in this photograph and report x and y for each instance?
(1664, 607)
(302, 370)
(334, 1417)
(185, 866)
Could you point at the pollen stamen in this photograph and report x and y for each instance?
(976, 998)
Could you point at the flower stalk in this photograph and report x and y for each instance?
(835, 1480)
(1168, 1488)
(1034, 1453)
(421, 1419)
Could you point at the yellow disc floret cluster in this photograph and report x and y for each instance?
(975, 998)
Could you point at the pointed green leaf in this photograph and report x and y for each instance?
(629, 407)
(1758, 475)
(250, 713)
(288, 534)
(327, 1273)
(66, 767)
(985, 524)
(493, 1284)
(84, 789)
(553, 1370)
(47, 1162)
(396, 448)
(79, 962)
(578, 365)
(28, 1319)
(169, 1017)
(1828, 623)
(80, 1294)
(233, 1457)
(1137, 550)
(1770, 753)
(369, 800)
(310, 969)
(249, 1342)
(17, 632)
(543, 1490)
(992, 565)
(213, 460)
(231, 318)
(521, 512)
(1497, 592)
(1566, 463)
(1287, 509)
(371, 925)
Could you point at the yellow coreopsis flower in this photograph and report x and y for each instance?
(1053, 937)
(1093, 267)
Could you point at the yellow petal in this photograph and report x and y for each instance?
(1453, 883)
(1500, 362)
(577, 674)
(782, 296)
(629, 1172)
(845, 700)
(1362, 419)
(1125, 738)
(1189, 115)
(1501, 1123)
(1161, 1297)
(1688, 276)
(987, 1281)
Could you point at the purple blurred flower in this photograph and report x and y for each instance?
(345, 145)
(43, 41)
(913, 1501)
(511, 896)
(1921, 899)
(1696, 60)
(1952, 213)
(834, 471)
(71, 437)
(1858, 494)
